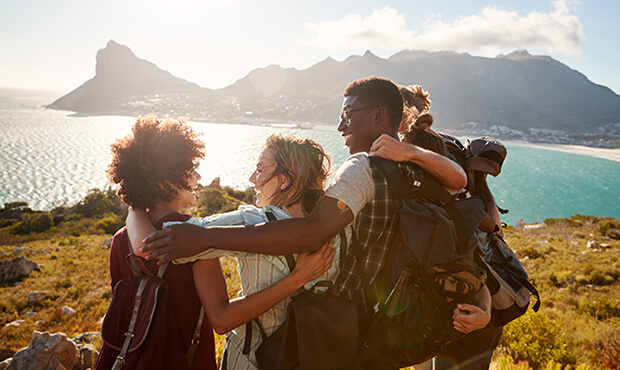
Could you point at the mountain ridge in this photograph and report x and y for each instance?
(517, 95)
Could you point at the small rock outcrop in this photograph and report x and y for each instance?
(15, 268)
(46, 351)
(36, 297)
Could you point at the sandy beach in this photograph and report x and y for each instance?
(611, 154)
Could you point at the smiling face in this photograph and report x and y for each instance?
(187, 197)
(357, 124)
(266, 183)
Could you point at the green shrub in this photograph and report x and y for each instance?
(529, 252)
(582, 280)
(110, 224)
(537, 339)
(212, 201)
(36, 222)
(606, 225)
(607, 347)
(601, 309)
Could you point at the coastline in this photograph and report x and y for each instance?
(610, 154)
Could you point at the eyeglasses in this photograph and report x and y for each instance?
(346, 114)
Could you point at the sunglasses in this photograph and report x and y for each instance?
(346, 114)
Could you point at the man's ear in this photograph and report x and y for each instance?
(381, 114)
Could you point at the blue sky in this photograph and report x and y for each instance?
(52, 44)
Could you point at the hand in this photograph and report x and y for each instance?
(389, 148)
(176, 241)
(468, 318)
(309, 266)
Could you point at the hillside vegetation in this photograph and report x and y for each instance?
(577, 327)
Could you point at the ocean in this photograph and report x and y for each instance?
(51, 158)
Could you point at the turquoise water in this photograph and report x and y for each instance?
(50, 158)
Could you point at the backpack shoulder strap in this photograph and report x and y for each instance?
(401, 187)
(139, 268)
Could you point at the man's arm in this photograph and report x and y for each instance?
(447, 172)
(290, 236)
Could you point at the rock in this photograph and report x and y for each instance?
(66, 310)
(86, 357)
(16, 323)
(215, 184)
(30, 314)
(88, 337)
(35, 298)
(100, 321)
(20, 250)
(4, 254)
(604, 245)
(5, 364)
(46, 351)
(16, 268)
(6, 353)
(107, 243)
(534, 226)
(593, 244)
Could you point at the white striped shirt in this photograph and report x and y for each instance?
(257, 271)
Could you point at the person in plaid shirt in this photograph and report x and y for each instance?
(371, 113)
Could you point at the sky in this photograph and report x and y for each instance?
(51, 45)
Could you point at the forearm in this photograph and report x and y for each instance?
(485, 301)
(491, 222)
(225, 314)
(447, 172)
(292, 236)
(138, 228)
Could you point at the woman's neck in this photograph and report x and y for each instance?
(296, 210)
(159, 210)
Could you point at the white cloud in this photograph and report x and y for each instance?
(489, 32)
(384, 29)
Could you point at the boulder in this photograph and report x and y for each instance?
(15, 323)
(5, 364)
(593, 244)
(534, 226)
(86, 357)
(6, 353)
(36, 297)
(88, 337)
(46, 351)
(66, 310)
(15, 268)
(107, 243)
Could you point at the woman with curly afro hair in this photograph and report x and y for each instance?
(154, 168)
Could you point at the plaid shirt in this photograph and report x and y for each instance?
(374, 230)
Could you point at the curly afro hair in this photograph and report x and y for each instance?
(154, 160)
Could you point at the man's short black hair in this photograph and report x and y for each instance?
(379, 91)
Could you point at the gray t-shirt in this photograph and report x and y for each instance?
(353, 184)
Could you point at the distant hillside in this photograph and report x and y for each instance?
(518, 95)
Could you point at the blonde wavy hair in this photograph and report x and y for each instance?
(304, 163)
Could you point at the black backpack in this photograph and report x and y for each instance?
(507, 281)
(429, 269)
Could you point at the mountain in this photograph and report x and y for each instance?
(516, 95)
(121, 79)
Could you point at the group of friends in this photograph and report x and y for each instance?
(155, 170)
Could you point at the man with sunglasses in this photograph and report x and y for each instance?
(371, 114)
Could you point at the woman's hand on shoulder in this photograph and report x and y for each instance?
(309, 266)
